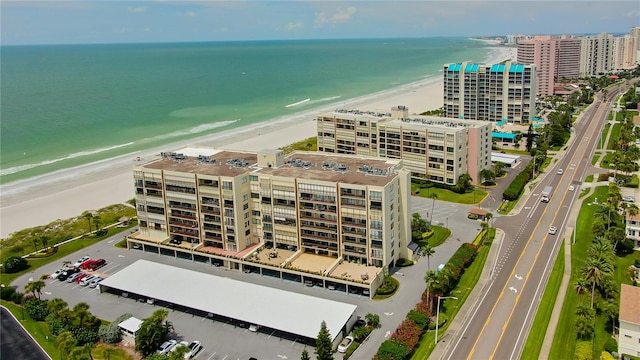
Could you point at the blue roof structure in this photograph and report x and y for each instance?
(471, 68)
(454, 67)
(501, 135)
(516, 68)
(497, 68)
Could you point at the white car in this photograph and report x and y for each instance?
(560, 171)
(86, 280)
(95, 281)
(194, 347)
(79, 262)
(344, 345)
(553, 230)
(166, 347)
(55, 274)
(571, 188)
(179, 345)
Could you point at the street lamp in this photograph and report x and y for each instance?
(438, 313)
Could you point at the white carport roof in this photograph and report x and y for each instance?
(273, 308)
(504, 158)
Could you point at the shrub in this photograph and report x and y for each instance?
(422, 320)
(408, 334)
(513, 191)
(389, 286)
(636, 262)
(403, 262)
(36, 308)
(634, 183)
(110, 334)
(7, 292)
(85, 335)
(15, 264)
(611, 345)
(361, 333)
(606, 356)
(17, 297)
(391, 350)
(583, 351)
(354, 345)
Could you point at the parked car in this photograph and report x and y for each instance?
(194, 347)
(359, 323)
(67, 273)
(95, 281)
(553, 230)
(80, 277)
(571, 188)
(254, 328)
(344, 345)
(179, 345)
(73, 277)
(79, 262)
(86, 280)
(628, 199)
(166, 347)
(94, 264)
(57, 273)
(366, 292)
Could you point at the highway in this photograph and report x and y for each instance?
(498, 325)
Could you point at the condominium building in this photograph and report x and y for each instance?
(323, 219)
(596, 55)
(497, 92)
(432, 148)
(555, 59)
(633, 229)
(629, 317)
(625, 52)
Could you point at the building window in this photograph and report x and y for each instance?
(227, 185)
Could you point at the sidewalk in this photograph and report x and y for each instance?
(467, 308)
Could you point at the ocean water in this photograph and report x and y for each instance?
(68, 105)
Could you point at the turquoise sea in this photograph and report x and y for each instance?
(68, 105)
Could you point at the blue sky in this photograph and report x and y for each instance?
(74, 22)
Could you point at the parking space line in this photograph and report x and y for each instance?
(225, 357)
(110, 268)
(212, 355)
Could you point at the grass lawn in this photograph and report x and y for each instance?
(63, 251)
(539, 328)
(606, 160)
(564, 340)
(589, 178)
(596, 156)
(310, 144)
(615, 134)
(515, 152)
(440, 235)
(38, 330)
(98, 353)
(450, 307)
(605, 131)
(474, 197)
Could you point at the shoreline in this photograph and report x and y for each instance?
(68, 192)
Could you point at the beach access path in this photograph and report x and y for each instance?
(68, 193)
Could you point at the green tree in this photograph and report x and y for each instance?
(305, 355)
(15, 264)
(428, 251)
(66, 343)
(430, 278)
(324, 348)
(153, 332)
(35, 287)
(372, 320)
(179, 352)
(581, 286)
(88, 215)
(487, 176)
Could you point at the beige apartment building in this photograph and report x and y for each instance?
(596, 55)
(629, 317)
(433, 148)
(321, 219)
(625, 52)
(497, 92)
(556, 58)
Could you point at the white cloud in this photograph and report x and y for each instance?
(292, 26)
(633, 13)
(340, 16)
(139, 9)
(190, 14)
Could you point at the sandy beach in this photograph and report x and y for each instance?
(68, 193)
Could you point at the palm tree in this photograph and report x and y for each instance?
(429, 278)
(487, 175)
(66, 343)
(432, 196)
(428, 252)
(88, 215)
(594, 270)
(489, 216)
(372, 319)
(35, 287)
(581, 286)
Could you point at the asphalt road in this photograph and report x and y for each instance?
(15, 342)
(499, 324)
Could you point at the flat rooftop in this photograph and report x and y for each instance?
(434, 122)
(326, 167)
(216, 164)
(356, 114)
(288, 311)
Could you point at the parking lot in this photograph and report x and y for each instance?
(226, 340)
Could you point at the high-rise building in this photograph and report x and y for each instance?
(496, 92)
(327, 219)
(625, 52)
(556, 58)
(596, 55)
(433, 148)
(635, 33)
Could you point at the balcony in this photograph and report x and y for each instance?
(183, 215)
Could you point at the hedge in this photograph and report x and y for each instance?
(513, 191)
